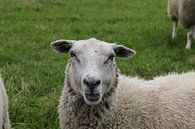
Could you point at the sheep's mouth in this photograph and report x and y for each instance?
(92, 97)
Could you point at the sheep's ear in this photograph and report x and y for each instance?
(122, 51)
(62, 46)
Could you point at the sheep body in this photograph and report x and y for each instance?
(4, 117)
(183, 11)
(165, 102)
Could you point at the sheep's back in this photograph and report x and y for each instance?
(165, 102)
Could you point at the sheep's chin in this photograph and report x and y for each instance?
(87, 101)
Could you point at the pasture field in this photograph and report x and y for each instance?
(33, 73)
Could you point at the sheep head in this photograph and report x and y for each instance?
(92, 66)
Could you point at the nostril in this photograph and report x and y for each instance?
(86, 82)
(97, 82)
(91, 82)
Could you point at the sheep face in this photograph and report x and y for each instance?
(92, 71)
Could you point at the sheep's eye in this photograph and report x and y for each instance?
(110, 58)
(74, 56)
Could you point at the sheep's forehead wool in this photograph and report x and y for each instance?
(93, 47)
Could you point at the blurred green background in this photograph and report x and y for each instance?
(33, 73)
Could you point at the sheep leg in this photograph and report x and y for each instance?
(189, 38)
(174, 32)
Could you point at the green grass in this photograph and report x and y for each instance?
(33, 73)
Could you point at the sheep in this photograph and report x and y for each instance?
(184, 12)
(4, 116)
(97, 96)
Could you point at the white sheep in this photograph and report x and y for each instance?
(4, 116)
(96, 96)
(184, 12)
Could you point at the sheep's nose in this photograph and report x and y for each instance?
(91, 82)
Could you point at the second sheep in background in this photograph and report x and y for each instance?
(183, 11)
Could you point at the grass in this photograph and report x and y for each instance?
(33, 73)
